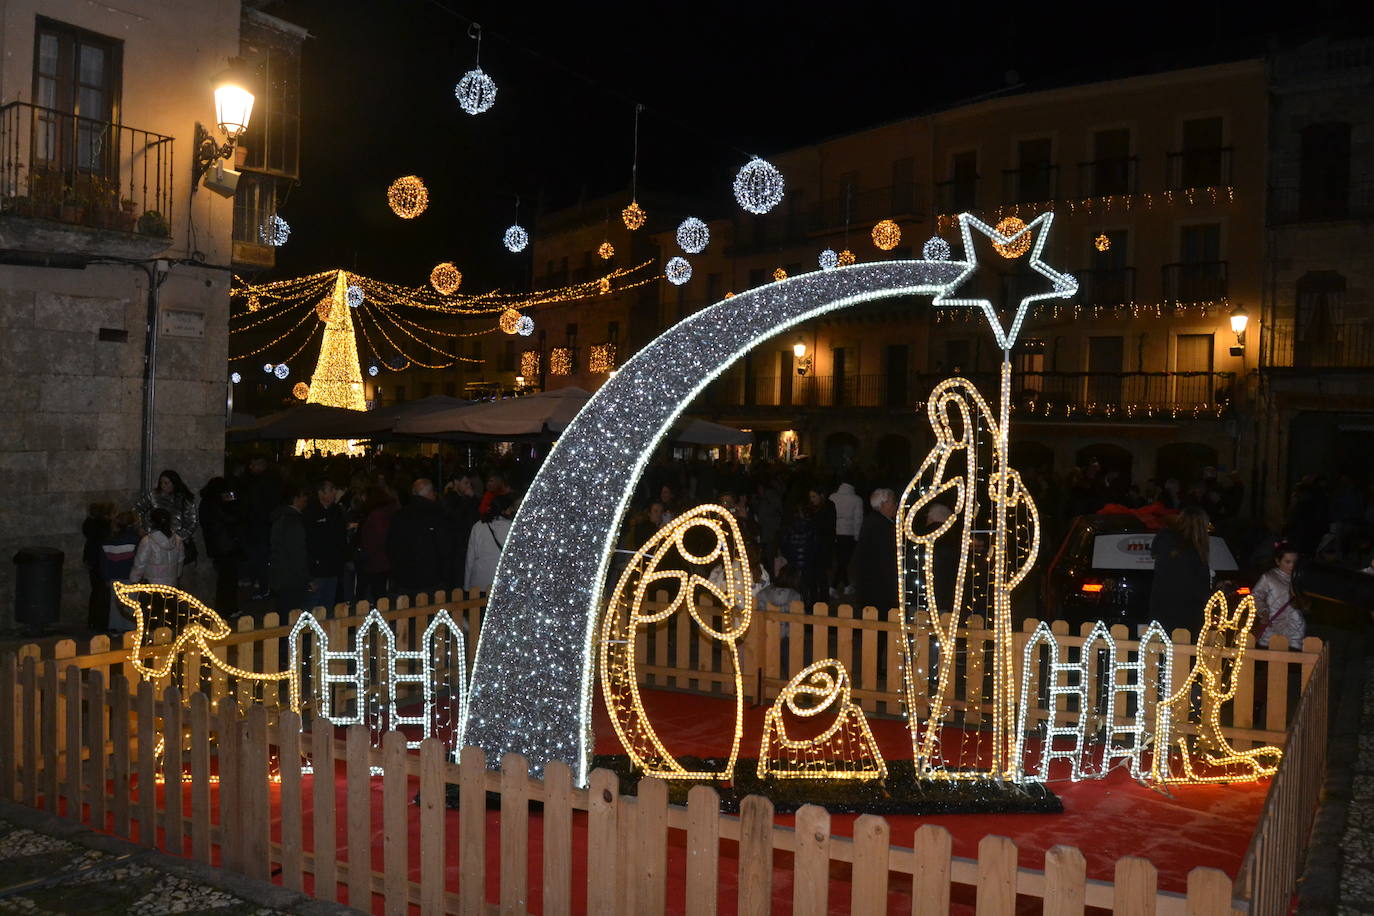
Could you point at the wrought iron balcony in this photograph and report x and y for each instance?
(1104, 177)
(1209, 167)
(861, 207)
(1106, 286)
(956, 195)
(1335, 345)
(1030, 184)
(1321, 204)
(1198, 281)
(77, 171)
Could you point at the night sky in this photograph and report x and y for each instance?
(719, 81)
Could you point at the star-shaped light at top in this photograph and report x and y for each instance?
(1064, 285)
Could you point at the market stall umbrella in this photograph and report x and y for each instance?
(303, 422)
(535, 415)
(703, 432)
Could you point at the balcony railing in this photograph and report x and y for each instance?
(1199, 281)
(1200, 168)
(956, 196)
(863, 206)
(1123, 395)
(1344, 345)
(1103, 177)
(1299, 205)
(57, 166)
(1106, 286)
(1030, 184)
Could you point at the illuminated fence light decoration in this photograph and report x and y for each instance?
(355, 296)
(516, 238)
(560, 361)
(525, 326)
(828, 259)
(1016, 239)
(1221, 645)
(1066, 680)
(758, 186)
(529, 364)
(282, 370)
(274, 231)
(475, 92)
(935, 249)
(846, 258)
(605, 251)
(509, 322)
(1148, 679)
(601, 358)
(301, 391)
(445, 278)
(678, 271)
(633, 215)
(408, 197)
(693, 235)
(887, 235)
(843, 751)
(653, 568)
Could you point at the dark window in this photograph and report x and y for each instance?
(963, 175)
(957, 353)
(1110, 281)
(613, 331)
(1035, 173)
(904, 185)
(1201, 162)
(1105, 360)
(76, 77)
(1111, 167)
(1199, 244)
(572, 334)
(1193, 354)
(273, 136)
(1318, 330)
(839, 375)
(255, 200)
(1324, 182)
(1201, 274)
(895, 366)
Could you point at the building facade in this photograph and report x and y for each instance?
(114, 268)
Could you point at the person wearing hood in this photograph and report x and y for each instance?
(849, 519)
(487, 539)
(288, 571)
(160, 553)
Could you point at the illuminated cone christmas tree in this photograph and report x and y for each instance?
(338, 379)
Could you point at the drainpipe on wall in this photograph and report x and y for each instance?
(157, 274)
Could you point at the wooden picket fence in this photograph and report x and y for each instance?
(83, 735)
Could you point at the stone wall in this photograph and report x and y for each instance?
(71, 421)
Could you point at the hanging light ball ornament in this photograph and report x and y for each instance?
(445, 278)
(476, 92)
(301, 391)
(235, 377)
(373, 369)
(847, 258)
(1016, 247)
(282, 370)
(758, 186)
(525, 326)
(887, 235)
(1102, 243)
(606, 250)
(633, 215)
(274, 231)
(408, 196)
(779, 275)
(935, 249)
(254, 303)
(516, 238)
(828, 259)
(354, 296)
(693, 235)
(604, 284)
(509, 321)
(268, 367)
(678, 271)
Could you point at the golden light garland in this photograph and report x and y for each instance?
(560, 361)
(408, 196)
(606, 250)
(601, 357)
(666, 562)
(1110, 203)
(445, 278)
(254, 304)
(1018, 246)
(887, 235)
(301, 391)
(633, 215)
(779, 275)
(1102, 242)
(509, 321)
(845, 258)
(844, 750)
(604, 285)
(529, 365)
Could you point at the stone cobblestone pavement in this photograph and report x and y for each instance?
(50, 866)
(1357, 843)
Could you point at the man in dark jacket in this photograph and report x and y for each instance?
(289, 570)
(326, 543)
(421, 544)
(876, 554)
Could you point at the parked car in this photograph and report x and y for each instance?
(1104, 570)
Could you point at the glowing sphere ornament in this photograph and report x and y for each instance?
(1016, 247)
(354, 296)
(373, 369)
(828, 259)
(633, 215)
(235, 377)
(525, 326)
(1102, 242)
(254, 303)
(678, 271)
(693, 235)
(282, 370)
(779, 275)
(935, 249)
(324, 308)
(408, 196)
(758, 186)
(604, 284)
(516, 238)
(476, 92)
(445, 278)
(847, 258)
(268, 367)
(606, 250)
(274, 231)
(301, 391)
(509, 321)
(887, 235)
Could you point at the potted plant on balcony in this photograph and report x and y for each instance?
(154, 223)
(45, 193)
(73, 208)
(129, 214)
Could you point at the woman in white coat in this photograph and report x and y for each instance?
(1277, 611)
(485, 543)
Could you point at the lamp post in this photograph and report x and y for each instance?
(1240, 320)
(800, 357)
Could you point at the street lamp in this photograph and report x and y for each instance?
(1240, 320)
(519, 383)
(233, 109)
(803, 362)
